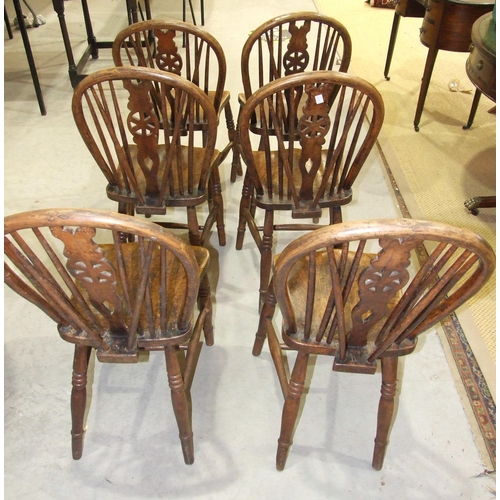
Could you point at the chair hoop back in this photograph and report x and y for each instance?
(103, 293)
(199, 58)
(310, 151)
(294, 43)
(375, 301)
(139, 125)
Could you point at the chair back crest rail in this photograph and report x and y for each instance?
(139, 124)
(338, 299)
(311, 150)
(116, 297)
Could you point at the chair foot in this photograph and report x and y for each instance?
(378, 457)
(187, 445)
(79, 398)
(282, 455)
(77, 445)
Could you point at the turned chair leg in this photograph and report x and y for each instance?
(245, 205)
(266, 255)
(180, 403)
(219, 203)
(193, 227)
(291, 408)
(79, 398)
(127, 209)
(233, 137)
(266, 315)
(385, 409)
(205, 302)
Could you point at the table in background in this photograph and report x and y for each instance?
(133, 10)
(481, 70)
(447, 25)
(76, 70)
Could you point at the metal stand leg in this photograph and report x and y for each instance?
(7, 23)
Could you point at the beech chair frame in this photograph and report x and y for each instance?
(336, 299)
(118, 298)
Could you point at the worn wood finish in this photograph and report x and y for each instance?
(347, 291)
(200, 59)
(140, 125)
(314, 171)
(290, 44)
(114, 297)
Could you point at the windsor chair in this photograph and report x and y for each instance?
(200, 59)
(317, 170)
(289, 44)
(350, 291)
(140, 126)
(112, 297)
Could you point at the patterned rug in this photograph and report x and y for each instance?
(478, 393)
(388, 4)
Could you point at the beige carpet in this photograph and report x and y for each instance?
(442, 165)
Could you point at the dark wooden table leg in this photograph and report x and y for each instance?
(392, 43)
(148, 9)
(29, 56)
(72, 71)
(91, 39)
(424, 87)
(473, 110)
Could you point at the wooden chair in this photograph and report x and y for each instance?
(318, 170)
(200, 59)
(290, 44)
(117, 298)
(140, 126)
(337, 299)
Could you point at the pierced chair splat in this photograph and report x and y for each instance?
(140, 126)
(337, 118)
(362, 292)
(117, 298)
